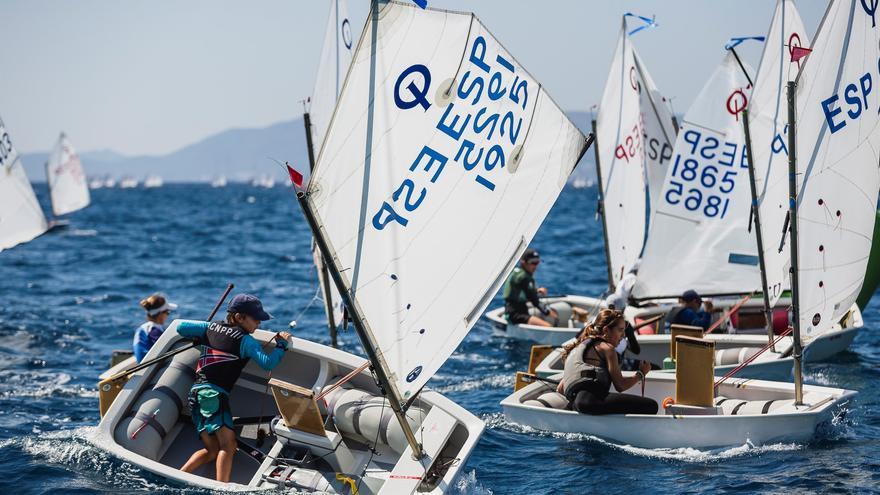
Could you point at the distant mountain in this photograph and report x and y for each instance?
(239, 154)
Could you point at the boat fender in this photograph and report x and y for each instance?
(158, 409)
(370, 417)
(668, 401)
(564, 311)
(550, 400)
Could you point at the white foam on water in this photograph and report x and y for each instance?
(83, 232)
(466, 483)
(685, 454)
(39, 384)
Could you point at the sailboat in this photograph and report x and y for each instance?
(742, 339)
(219, 181)
(68, 189)
(335, 59)
(409, 307)
(96, 183)
(109, 182)
(21, 218)
(635, 130)
(128, 182)
(153, 181)
(832, 183)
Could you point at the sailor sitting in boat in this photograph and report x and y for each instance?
(226, 349)
(158, 308)
(591, 367)
(620, 297)
(689, 313)
(520, 290)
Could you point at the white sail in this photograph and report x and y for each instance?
(634, 136)
(335, 59)
(838, 138)
(621, 156)
(659, 133)
(767, 122)
(699, 238)
(467, 154)
(21, 218)
(68, 188)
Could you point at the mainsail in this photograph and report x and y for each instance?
(838, 139)
(68, 188)
(21, 218)
(768, 130)
(633, 143)
(335, 59)
(465, 156)
(699, 238)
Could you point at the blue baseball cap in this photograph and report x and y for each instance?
(248, 305)
(691, 295)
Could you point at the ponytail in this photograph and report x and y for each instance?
(605, 319)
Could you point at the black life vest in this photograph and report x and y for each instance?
(579, 375)
(221, 363)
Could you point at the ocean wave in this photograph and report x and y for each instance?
(38, 384)
(491, 381)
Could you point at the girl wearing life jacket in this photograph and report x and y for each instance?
(592, 366)
(158, 308)
(227, 346)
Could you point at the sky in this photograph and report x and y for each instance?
(149, 77)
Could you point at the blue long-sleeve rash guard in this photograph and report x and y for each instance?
(250, 347)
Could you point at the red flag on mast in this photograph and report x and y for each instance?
(296, 178)
(799, 52)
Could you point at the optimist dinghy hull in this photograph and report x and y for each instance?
(754, 412)
(148, 425)
(768, 366)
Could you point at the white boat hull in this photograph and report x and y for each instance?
(689, 431)
(309, 365)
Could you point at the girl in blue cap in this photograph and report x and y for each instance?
(226, 349)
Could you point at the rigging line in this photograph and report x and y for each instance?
(741, 66)
(375, 444)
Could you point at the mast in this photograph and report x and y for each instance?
(793, 236)
(322, 270)
(600, 208)
(768, 311)
(380, 368)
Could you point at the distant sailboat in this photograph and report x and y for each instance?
(96, 183)
(128, 182)
(219, 181)
(109, 182)
(66, 178)
(21, 218)
(153, 181)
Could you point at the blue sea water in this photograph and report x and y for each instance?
(69, 298)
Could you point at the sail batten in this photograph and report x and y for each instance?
(423, 222)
